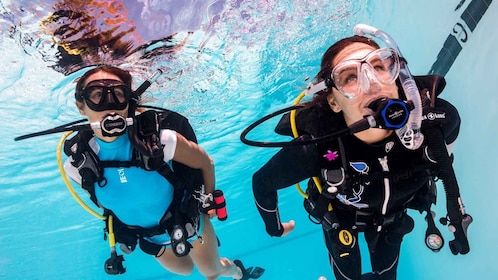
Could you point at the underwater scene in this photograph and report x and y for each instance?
(224, 65)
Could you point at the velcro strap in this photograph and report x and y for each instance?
(321, 207)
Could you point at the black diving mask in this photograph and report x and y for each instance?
(106, 94)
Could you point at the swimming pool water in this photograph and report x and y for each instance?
(256, 58)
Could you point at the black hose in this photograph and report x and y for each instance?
(435, 141)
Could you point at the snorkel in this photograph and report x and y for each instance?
(409, 134)
(141, 89)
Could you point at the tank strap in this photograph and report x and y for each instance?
(130, 235)
(119, 164)
(167, 222)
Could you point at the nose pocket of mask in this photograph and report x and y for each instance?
(365, 77)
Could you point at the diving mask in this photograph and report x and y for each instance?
(106, 94)
(355, 75)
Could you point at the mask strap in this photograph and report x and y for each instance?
(315, 88)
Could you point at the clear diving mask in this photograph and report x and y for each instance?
(355, 75)
(106, 94)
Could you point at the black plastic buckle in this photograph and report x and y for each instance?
(114, 265)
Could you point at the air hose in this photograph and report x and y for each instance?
(410, 134)
(114, 264)
(295, 134)
(459, 220)
(66, 180)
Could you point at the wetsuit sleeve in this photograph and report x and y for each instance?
(168, 139)
(71, 171)
(289, 166)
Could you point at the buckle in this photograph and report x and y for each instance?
(363, 219)
(385, 220)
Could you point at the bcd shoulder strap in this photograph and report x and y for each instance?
(86, 161)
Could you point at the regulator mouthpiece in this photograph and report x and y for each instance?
(391, 113)
(112, 124)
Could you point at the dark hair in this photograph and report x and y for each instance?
(123, 75)
(328, 57)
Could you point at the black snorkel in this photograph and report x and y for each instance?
(111, 125)
(140, 90)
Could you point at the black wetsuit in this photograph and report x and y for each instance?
(380, 182)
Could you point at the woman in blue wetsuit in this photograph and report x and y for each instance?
(367, 179)
(142, 200)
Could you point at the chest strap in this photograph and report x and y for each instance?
(393, 177)
(365, 219)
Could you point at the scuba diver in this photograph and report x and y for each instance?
(146, 171)
(367, 160)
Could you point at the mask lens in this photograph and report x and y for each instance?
(381, 66)
(345, 76)
(102, 95)
(94, 94)
(385, 63)
(120, 94)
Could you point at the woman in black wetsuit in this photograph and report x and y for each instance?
(366, 180)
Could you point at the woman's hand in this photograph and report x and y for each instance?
(288, 227)
(211, 213)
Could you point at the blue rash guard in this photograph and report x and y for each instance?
(136, 196)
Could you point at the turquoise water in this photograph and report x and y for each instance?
(255, 59)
